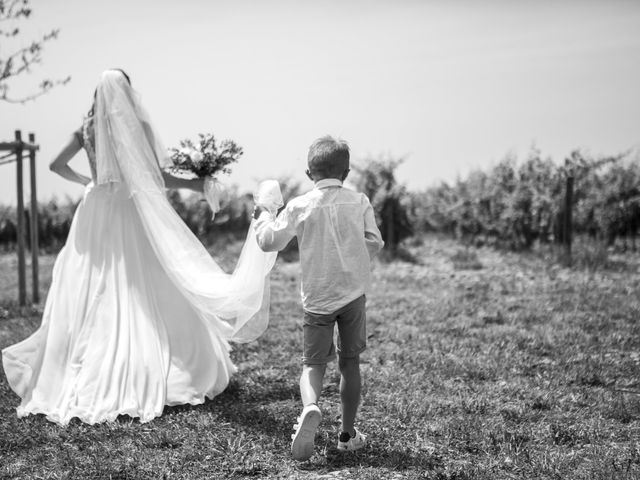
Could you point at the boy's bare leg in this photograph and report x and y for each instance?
(349, 391)
(311, 383)
(310, 389)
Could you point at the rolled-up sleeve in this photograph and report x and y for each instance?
(372, 236)
(273, 234)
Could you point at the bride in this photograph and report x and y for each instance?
(138, 315)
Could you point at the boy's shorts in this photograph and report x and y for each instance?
(318, 333)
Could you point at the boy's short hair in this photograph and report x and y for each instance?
(328, 157)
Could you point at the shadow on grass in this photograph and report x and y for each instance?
(245, 401)
(373, 456)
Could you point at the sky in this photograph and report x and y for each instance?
(449, 86)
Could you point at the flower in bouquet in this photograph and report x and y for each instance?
(196, 157)
(204, 158)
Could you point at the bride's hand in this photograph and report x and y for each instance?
(197, 185)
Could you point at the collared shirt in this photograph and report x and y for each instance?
(337, 237)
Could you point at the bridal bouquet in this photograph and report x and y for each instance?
(205, 158)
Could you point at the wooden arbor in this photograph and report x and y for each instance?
(16, 149)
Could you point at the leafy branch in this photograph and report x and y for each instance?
(22, 60)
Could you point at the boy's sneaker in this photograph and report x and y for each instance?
(347, 443)
(302, 445)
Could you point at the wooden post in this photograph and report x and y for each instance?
(35, 250)
(22, 283)
(567, 227)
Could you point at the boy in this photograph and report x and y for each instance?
(337, 237)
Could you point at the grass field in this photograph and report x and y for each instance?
(503, 367)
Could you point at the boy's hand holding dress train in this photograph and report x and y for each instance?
(337, 236)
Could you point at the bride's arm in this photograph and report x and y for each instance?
(195, 184)
(60, 163)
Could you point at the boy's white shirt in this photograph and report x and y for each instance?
(337, 237)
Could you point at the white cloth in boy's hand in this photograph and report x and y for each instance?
(268, 196)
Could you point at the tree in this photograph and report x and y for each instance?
(12, 12)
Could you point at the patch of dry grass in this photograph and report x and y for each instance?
(520, 369)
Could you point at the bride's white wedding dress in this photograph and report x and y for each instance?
(138, 315)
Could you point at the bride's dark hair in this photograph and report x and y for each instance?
(95, 92)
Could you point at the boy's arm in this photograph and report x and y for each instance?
(273, 234)
(372, 236)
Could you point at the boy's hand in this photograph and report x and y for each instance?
(257, 210)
